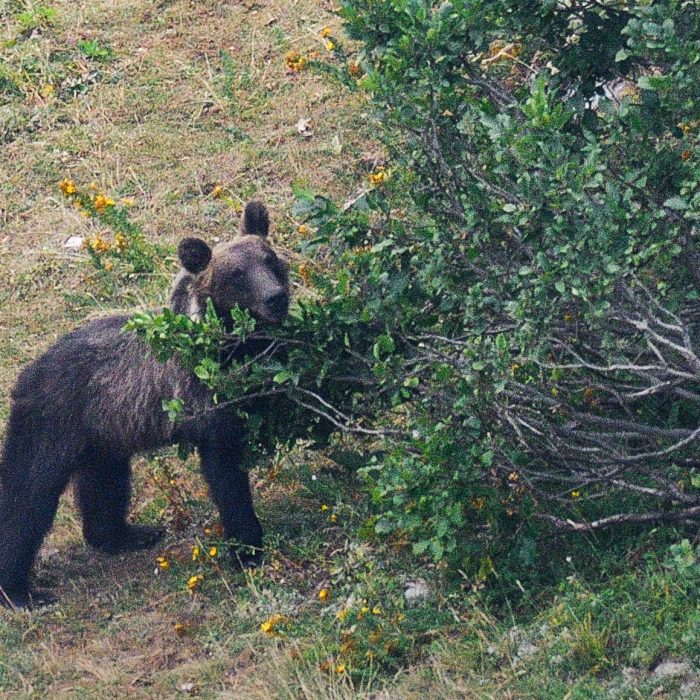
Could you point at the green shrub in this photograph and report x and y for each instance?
(513, 301)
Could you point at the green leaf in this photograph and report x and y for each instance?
(677, 203)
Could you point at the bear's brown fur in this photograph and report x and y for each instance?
(94, 399)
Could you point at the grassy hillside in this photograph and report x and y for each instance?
(183, 111)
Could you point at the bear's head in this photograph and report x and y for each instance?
(245, 271)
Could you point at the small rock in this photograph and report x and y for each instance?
(690, 689)
(416, 591)
(304, 127)
(74, 243)
(669, 669)
(526, 650)
(187, 687)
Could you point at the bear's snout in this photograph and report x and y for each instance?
(277, 305)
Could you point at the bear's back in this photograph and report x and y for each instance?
(99, 385)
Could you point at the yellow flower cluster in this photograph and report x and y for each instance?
(98, 244)
(121, 242)
(326, 32)
(163, 563)
(379, 176)
(193, 582)
(270, 625)
(323, 595)
(68, 187)
(295, 61)
(101, 202)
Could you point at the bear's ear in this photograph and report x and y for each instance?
(194, 254)
(255, 220)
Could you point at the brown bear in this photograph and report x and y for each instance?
(92, 401)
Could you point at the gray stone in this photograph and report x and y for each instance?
(670, 669)
(526, 650)
(416, 591)
(690, 689)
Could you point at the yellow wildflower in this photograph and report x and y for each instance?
(121, 242)
(323, 595)
(217, 191)
(108, 265)
(101, 202)
(379, 177)
(195, 553)
(98, 244)
(128, 202)
(213, 551)
(575, 494)
(270, 625)
(333, 518)
(342, 614)
(324, 507)
(67, 187)
(304, 230)
(340, 668)
(295, 61)
(330, 45)
(47, 90)
(326, 32)
(163, 563)
(193, 582)
(376, 610)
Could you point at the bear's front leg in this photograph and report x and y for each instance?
(230, 490)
